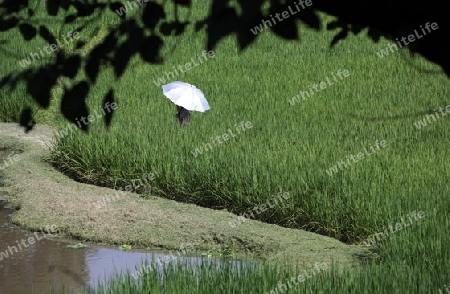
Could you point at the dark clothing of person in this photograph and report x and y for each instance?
(183, 116)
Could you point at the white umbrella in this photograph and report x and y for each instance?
(186, 95)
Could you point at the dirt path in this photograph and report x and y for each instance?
(43, 196)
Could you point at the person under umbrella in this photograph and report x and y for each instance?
(186, 97)
(183, 116)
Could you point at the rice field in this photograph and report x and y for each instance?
(310, 148)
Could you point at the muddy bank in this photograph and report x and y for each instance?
(42, 196)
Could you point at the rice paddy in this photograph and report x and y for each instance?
(289, 148)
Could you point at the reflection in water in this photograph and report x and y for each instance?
(36, 265)
(35, 261)
(50, 262)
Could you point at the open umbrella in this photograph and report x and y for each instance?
(186, 95)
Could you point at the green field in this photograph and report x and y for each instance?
(289, 148)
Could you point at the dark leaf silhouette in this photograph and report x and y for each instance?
(180, 27)
(84, 8)
(70, 18)
(135, 38)
(53, 7)
(253, 18)
(374, 35)
(175, 28)
(356, 29)
(26, 119)
(12, 6)
(98, 55)
(123, 55)
(335, 24)
(115, 6)
(141, 33)
(106, 105)
(166, 28)
(286, 29)
(80, 44)
(65, 4)
(73, 105)
(150, 49)
(6, 80)
(218, 7)
(27, 31)
(127, 49)
(71, 66)
(46, 35)
(153, 14)
(221, 25)
(30, 12)
(8, 24)
(186, 3)
(40, 83)
(245, 37)
(92, 69)
(310, 18)
(200, 25)
(340, 36)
